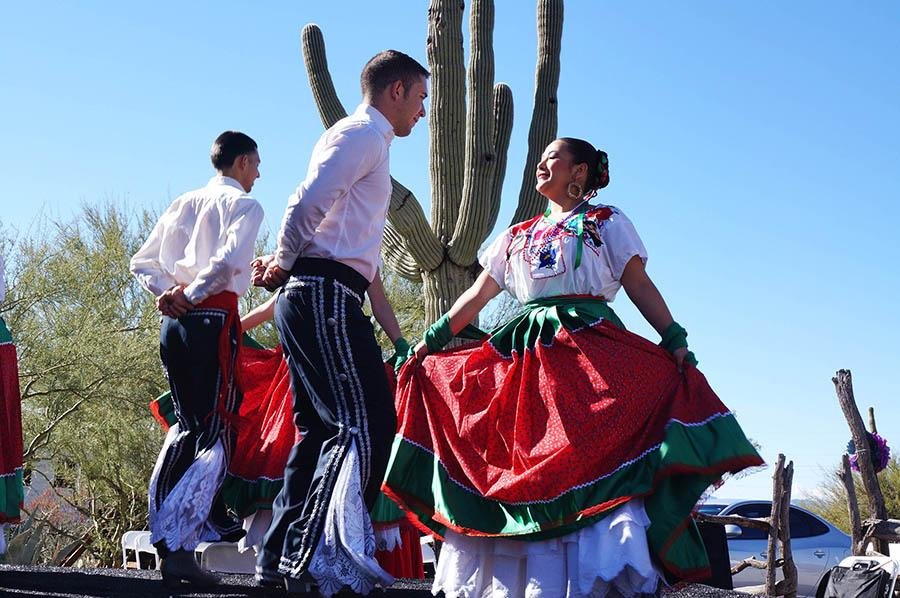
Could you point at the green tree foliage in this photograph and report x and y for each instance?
(409, 306)
(830, 501)
(88, 341)
(87, 335)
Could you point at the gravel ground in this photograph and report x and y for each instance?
(56, 582)
(700, 591)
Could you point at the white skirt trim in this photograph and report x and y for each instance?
(388, 538)
(611, 553)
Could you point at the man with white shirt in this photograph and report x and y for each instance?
(328, 255)
(197, 263)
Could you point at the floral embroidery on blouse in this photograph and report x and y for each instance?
(583, 254)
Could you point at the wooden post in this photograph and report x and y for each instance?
(846, 476)
(774, 525)
(843, 384)
(787, 568)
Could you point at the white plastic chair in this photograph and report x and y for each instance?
(224, 557)
(427, 543)
(129, 549)
(144, 547)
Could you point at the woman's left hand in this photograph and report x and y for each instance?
(679, 355)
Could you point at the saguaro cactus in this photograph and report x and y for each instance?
(467, 156)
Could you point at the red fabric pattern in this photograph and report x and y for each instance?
(228, 369)
(267, 432)
(534, 426)
(10, 411)
(523, 227)
(405, 560)
(10, 432)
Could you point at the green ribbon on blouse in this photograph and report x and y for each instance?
(576, 225)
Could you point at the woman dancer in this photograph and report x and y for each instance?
(562, 455)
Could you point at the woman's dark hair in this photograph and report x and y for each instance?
(597, 162)
(228, 146)
(386, 67)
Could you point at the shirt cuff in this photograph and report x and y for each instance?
(285, 260)
(193, 293)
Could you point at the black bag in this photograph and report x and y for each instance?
(864, 579)
(716, 544)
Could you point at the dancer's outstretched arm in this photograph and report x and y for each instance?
(649, 301)
(259, 314)
(382, 309)
(469, 304)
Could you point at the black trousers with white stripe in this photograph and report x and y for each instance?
(189, 349)
(340, 393)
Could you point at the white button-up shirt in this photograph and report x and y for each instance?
(204, 240)
(338, 212)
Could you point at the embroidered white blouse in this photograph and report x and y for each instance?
(582, 253)
(204, 240)
(338, 212)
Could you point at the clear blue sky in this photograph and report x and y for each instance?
(753, 144)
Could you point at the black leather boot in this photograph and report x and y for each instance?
(179, 566)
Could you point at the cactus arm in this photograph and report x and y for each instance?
(397, 257)
(544, 116)
(408, 220)
(503, 124)
(330, 107)
(481, 159)
(446, 117)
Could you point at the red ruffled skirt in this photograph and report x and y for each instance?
(12, 492)
(554, 420)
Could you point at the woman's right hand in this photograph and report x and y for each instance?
(421, 350)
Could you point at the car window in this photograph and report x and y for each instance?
(710, 509)
(803, 525)
(752, 510)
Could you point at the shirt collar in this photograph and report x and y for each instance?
(221, 179)
(378, 119)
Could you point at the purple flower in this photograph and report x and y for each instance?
(878, 447)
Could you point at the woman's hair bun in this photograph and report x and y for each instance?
(602, 169)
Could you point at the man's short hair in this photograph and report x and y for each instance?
(388, 66)
(228, 146)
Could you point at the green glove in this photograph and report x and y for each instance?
(402, 351)
(675, 337)
(438, 334)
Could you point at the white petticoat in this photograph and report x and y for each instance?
(388, 538)
(611, 553)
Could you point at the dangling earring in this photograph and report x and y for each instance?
(574, 190)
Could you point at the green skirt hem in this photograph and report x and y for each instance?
(12, 496)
